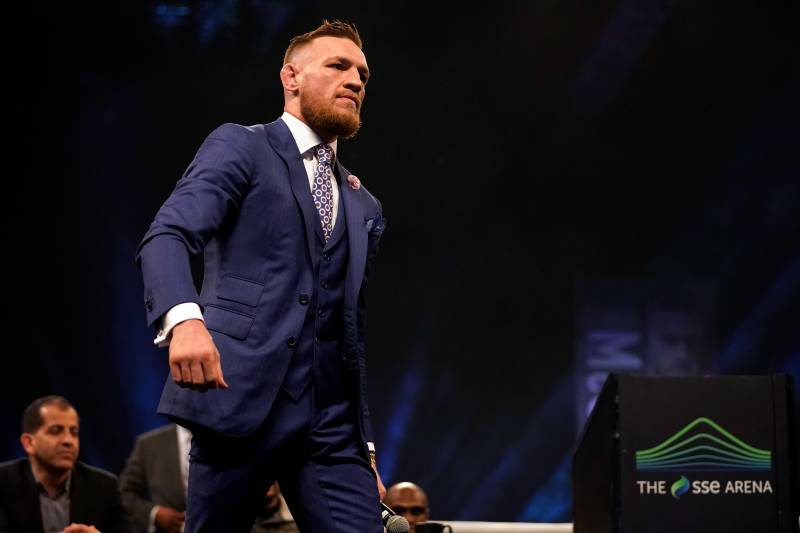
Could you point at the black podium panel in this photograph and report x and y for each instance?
(706, 455)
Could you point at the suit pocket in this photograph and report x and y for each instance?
(240, 290)
(229, 322)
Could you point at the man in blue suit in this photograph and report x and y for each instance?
(288, 236)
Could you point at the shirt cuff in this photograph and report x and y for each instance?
(371, 446)
(151, 525)
(173, 317)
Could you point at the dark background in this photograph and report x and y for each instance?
(517, 148)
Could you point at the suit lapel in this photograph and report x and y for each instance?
(31, 497)
(78, 497)
(282, 141)
(357, 239)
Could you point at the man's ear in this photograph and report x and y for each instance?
(26, 439)
(289, 77)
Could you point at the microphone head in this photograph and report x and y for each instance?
(397, 524)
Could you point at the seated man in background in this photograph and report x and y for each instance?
(50, 490)
(409, 501)
(154, 483)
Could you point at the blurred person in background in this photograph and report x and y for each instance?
(50, 490)
(409, 501)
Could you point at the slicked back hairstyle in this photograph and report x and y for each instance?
(335, 28)
(32, 417)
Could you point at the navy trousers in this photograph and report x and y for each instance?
(313, 451)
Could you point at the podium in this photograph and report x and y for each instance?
(688, 454)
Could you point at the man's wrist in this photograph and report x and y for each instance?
(176, 315)
(151, 524)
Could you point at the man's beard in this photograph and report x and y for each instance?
(329, 121)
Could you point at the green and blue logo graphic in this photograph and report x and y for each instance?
(680, 487)
(710, 448)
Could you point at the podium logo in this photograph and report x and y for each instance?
(680, 487)
(704, 487)
(703, 445)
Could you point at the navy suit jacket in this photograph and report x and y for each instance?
(245, 203)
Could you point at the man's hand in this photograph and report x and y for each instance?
(169, 519)
(80, 528)
(193, 358)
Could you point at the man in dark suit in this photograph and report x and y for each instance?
(51, 490)
(287, 235)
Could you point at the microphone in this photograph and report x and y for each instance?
(393, 522)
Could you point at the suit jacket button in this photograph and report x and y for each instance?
(324, 284)
(148, 303)
(303, 299)
(291, 341)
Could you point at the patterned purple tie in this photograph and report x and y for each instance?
(321, 187)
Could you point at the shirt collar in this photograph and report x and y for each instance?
(64, 489)
(304, 136)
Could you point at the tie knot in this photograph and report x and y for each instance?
(324, 154)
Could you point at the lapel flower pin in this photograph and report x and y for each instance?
(354, 182)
